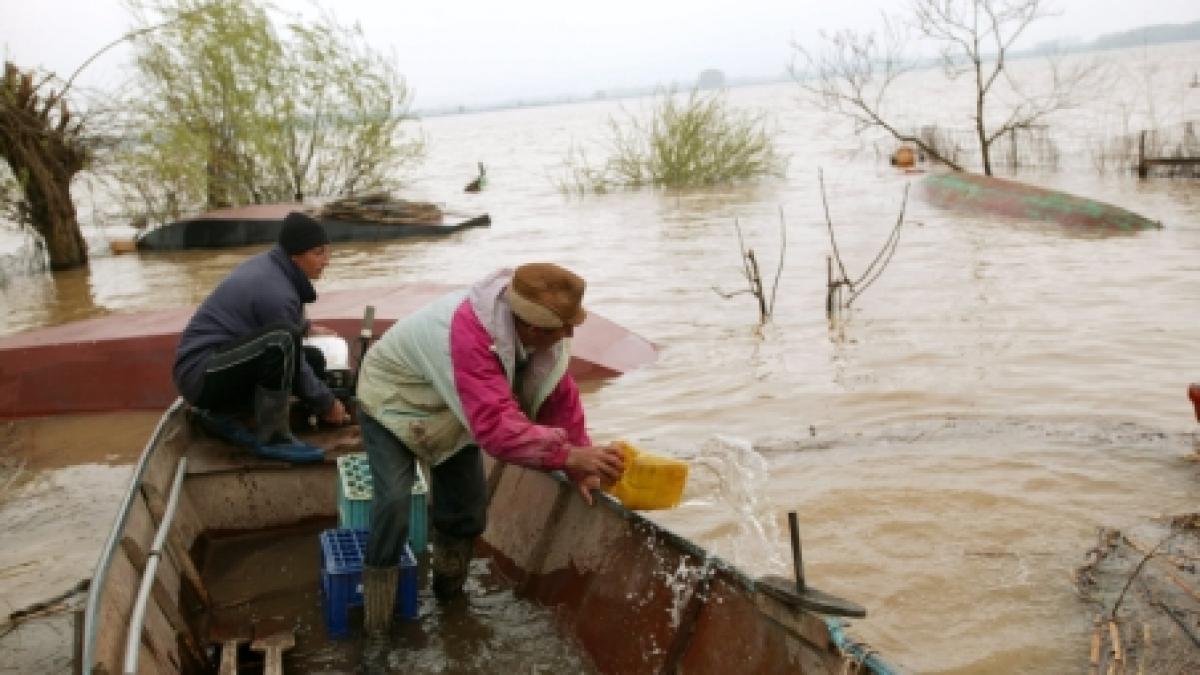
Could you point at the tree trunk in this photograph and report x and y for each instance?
(48, 191)
(985, 149)
(44, 151)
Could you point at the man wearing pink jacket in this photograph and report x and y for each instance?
(481, 369)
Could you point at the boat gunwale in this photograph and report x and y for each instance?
(97, 582)
(154, 555)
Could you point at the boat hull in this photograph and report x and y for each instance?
(123, 361)
(637, 597)
(988, 194)
(245, 226)
(632, 596)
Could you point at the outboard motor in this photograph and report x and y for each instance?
(337, 374)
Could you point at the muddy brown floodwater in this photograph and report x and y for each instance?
(951, 444)
(61, 480)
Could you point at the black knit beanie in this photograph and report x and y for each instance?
(301, 233)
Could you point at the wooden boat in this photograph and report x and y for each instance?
(1010, 198)
(633, 596)
(260, 224)
(123, 361)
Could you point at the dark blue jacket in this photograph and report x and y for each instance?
(266, 289)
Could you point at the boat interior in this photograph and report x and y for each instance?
(214, 565)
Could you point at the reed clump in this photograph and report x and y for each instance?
(685, 141)
(1161, 151)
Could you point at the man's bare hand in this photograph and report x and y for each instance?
(604, 462)
(336, 415)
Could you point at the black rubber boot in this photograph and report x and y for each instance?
(226, 428)
(450, 561)
(273, 429)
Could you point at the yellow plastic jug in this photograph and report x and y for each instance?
(649, 481)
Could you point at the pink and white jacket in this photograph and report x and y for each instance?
(447, 376)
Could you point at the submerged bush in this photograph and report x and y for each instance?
(685, 142)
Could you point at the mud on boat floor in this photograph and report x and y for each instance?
(1144, 587)
(264, 582)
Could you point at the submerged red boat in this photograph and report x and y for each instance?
(123, 361)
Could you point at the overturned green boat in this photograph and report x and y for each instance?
(1019, 200)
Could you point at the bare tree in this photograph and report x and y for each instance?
(43, 145)
(851, 76)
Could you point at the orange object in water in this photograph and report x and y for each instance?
(122, 246)
(649, 481)
(1194, 394)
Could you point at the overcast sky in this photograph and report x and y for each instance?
(490, 51)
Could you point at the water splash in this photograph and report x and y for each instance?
(742, 475)
(683, 582)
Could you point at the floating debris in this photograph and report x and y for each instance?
(381, 208)
(1146, 596)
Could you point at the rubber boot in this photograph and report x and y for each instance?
(273, 432)
(450, 560)
(226, 428)
(379, 599)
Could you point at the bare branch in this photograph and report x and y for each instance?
(883, 257)
(782, 252)
(829, 224)
(852, 75)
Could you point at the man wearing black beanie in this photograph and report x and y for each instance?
(241, 350)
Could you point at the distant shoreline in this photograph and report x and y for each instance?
(1144, 36)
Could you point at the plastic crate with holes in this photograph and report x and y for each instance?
(342, 553)
(355, 493)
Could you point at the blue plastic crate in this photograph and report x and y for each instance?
(342, 554)
(355, 493)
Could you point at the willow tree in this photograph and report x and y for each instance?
(230, 109)
(43, 145)
(854, 71)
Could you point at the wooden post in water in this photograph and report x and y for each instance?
(797, 561)
(828, 286)
(1142, 170)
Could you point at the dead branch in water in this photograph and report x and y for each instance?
(750, 270)
(833, 297)
(1175, 578)
(1146, 556)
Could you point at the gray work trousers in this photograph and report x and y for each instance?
(458, 493)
